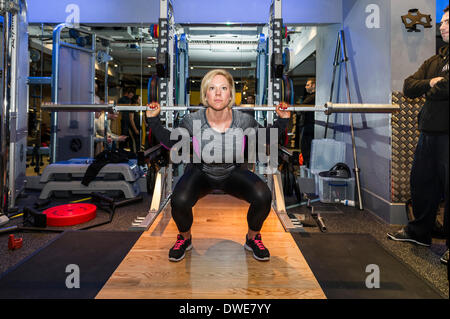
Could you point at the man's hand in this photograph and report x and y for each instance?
(153, 109)
(112, 116)
(281, 110)
(433, 81)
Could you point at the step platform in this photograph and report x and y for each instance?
(75, 168)
(66, 177)
(129, 190)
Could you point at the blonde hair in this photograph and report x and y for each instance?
(207, 79)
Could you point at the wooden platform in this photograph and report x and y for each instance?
(218, 267)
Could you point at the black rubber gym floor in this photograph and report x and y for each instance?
(53, 272)
(356, 266)
(424, 261)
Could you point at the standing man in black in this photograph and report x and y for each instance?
(430, 170)
(134, 126)
(305, 123)
(126, 99)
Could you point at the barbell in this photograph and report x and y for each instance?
(328, 108)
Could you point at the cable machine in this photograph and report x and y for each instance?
(73, 72)
(14, 111)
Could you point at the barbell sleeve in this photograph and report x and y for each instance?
(77, 107)
(360, 108)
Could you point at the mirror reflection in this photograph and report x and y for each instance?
(126, 74)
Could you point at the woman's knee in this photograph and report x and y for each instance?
(262, 195)
(180, 200)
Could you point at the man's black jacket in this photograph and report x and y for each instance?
(433, 117)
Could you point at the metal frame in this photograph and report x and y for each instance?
(165, 44)
(163, 184)
(161, 196)
(57, 44)
(183, 70)
(278, 202)
(261, 75)
(275, 49)
(12, 132)
(340, 56)
(4, 116)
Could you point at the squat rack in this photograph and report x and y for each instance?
(163, 184)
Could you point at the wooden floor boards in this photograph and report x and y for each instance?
(218, 266)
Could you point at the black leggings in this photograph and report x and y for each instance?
(241, 183)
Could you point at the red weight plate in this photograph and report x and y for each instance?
(70, 214)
